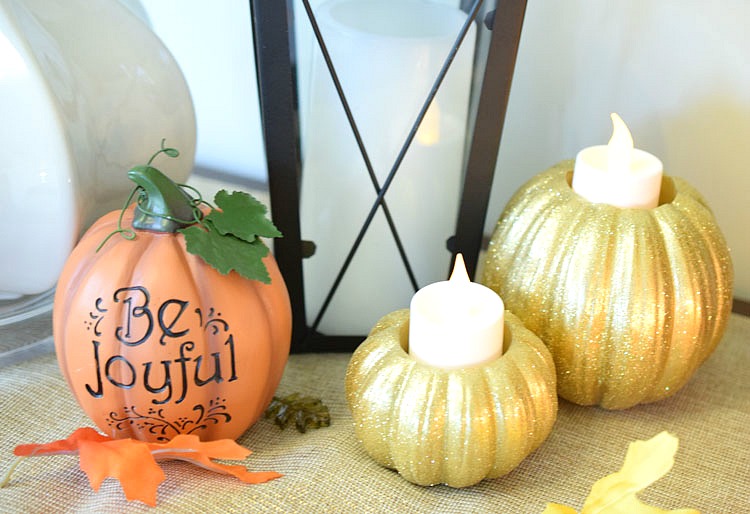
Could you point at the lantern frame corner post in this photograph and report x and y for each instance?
(273, 39)
(504, 24)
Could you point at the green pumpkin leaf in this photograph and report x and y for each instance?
(242, 216)
(228, 238)
(225, 252)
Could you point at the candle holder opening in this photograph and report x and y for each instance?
(668, 191)
(403, 343)
(666, 196)
(403, 338)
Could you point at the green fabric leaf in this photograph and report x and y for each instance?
(229, 239)
(304, 411)
(225, 252)
(242, 216)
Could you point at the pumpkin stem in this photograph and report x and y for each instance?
(162, 205)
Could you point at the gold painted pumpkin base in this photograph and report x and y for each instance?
(629, 301)
(454, 427)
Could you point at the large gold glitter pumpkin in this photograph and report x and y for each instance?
(629, 301)
(454, 427)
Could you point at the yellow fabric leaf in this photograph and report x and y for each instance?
(556, 508)
(645, 463)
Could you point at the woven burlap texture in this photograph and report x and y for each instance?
(327, 470)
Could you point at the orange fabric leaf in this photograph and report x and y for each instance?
(191, 449)
(221, 449)
(134, 463)
(126, 460)
(63, 446)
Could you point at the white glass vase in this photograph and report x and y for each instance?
(87, 90)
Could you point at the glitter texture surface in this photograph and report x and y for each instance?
(629, 301)
(453, 427)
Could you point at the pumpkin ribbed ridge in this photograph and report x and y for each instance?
(629, 301)
(450, 426)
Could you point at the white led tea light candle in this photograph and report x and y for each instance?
(618, 174)
(456, 323)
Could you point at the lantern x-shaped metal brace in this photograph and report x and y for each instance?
(274, 64)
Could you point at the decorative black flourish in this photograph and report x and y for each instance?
(213, 321)
(155, 422)
(96, 318)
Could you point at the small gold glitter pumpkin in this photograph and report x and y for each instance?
(629, 301)
(454, 427)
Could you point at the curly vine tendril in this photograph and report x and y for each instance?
(196, 202)
(127, 233)
(171, 152)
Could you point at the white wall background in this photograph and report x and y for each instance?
(676, 71)
(213, 44)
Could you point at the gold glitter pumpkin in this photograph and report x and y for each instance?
(454, 427)
(629, 301)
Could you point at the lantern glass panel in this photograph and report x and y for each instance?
(387, 56)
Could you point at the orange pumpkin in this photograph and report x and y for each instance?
(153, 342)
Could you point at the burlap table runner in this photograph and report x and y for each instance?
(327, 470)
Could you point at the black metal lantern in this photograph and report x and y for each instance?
(498, 29)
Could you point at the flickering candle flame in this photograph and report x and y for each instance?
(618, 174)
(429, 131)
(456, 323)
(620, 146)
(459, 273)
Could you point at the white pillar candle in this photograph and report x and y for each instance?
(618, 174)
(456, 323)
(387, 55)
